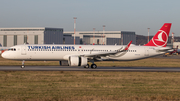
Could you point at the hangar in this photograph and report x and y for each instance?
(41, 35)
(106, 38)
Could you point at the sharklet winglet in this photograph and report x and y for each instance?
(127, 47)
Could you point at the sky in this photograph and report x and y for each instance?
(116, 15)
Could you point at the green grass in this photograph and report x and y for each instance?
(88, 86)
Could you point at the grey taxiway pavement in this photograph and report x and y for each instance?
(67, 68)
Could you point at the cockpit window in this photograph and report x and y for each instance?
(12, 49)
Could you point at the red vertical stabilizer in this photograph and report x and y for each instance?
(161, 37)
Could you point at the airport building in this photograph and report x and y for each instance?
(69, 39)
(176, 45)
(16, 36)
(43, 35)
(106, 38)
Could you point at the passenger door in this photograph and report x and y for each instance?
(23, 50)
(146, 51)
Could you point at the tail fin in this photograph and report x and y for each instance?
(161, 37)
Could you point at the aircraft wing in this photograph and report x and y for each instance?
(108, 53)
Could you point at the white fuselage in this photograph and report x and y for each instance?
(62, 52)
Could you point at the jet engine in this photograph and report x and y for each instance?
(77, 61)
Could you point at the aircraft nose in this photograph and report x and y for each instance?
(4, 55)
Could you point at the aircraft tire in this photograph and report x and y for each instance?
(22, 66)
(87, 66)
(93, 66)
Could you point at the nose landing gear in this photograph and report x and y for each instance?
(23, 64)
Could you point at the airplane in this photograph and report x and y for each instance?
(80, 55)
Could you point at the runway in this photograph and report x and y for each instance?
(67, 68)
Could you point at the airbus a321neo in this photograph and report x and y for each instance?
(80, 55)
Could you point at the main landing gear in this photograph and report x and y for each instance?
(93, 66)
(23, 64)
(87, 66)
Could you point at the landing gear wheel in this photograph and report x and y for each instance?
(93, 66)
(87, 66)
(22, 66)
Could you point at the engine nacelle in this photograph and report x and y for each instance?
(77, 61)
